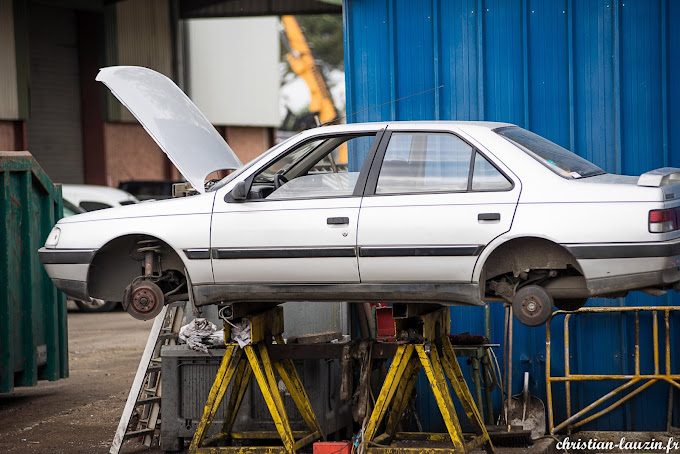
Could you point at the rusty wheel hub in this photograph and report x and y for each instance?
(145, 300)
(532, 305)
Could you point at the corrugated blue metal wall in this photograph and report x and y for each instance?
(598, 77)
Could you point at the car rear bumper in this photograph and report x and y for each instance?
(68, 269)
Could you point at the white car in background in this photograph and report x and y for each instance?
(92, 198)
(427, 212)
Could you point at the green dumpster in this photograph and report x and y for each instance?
(33, 329)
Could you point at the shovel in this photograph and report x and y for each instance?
(528, 411)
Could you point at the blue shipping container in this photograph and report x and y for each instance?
(598, 77)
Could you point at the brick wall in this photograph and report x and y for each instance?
(248, 142)
(12, 136)
(131, 154)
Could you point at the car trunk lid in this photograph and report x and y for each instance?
(172, 120)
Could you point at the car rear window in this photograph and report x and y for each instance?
(560, 160)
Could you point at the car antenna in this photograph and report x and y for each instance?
(380, 105)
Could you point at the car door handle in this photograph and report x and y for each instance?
(337, 221)
(489, 217)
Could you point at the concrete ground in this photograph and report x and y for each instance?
(80, 414)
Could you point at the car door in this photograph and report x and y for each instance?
(433, 201)
(299, 221)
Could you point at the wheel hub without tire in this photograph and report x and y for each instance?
(145, 300)
(532, 305)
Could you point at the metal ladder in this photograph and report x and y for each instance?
(145, 393)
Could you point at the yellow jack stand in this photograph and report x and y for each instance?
(264, 328)
(438, 360)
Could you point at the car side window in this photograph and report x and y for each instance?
(486, 177)
(317, 168)
(424, 162)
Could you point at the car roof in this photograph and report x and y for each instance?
(349, 127)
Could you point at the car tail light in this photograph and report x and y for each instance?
(661, 221)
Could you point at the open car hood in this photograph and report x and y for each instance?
(172, 120)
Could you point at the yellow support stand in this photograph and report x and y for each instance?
(436, 358)
(239, 369)
(438, 361)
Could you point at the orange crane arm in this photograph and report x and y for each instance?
(302, 63)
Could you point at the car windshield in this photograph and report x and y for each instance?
(560, 160)
(252, 162)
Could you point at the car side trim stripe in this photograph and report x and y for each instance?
(197, 254)
(625, 251)
(287, 253)
(446, 251)
(66, 257)
(291, 253)
(579, 252)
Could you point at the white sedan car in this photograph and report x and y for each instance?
(426, 212)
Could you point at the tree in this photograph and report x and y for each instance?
(324, 36)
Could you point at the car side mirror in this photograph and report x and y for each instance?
(240, 192)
